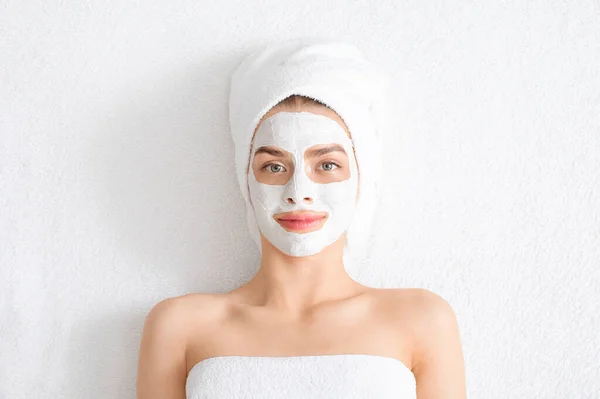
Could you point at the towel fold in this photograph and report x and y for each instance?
(333, 72)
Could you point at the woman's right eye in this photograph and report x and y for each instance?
(274, 168)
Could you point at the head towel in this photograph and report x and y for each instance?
(328, 70)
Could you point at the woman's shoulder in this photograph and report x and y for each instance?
(424, 317)
(174, 316)
(424, 311)
(417, 299)
(178, 308)
(433, 306)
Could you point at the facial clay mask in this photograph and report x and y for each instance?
(295, 132)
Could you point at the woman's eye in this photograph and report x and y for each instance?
(275, 168)
(329, 166)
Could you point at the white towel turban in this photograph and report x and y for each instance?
(328, 70)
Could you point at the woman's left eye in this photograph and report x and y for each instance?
(329, 166)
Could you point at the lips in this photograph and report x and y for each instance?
(301, 221)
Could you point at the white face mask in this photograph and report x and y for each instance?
(295, 132)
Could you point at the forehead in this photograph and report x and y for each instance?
(297, 131)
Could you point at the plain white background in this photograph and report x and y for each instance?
(118, 187)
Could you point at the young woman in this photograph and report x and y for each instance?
(301, 327)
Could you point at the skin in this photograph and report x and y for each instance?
(298, 306)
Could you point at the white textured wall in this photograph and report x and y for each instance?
(117, 183)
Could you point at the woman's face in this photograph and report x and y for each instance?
(302, 179)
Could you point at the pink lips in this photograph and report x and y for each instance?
(299, 221)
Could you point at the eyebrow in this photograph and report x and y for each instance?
(269, 150)
(325, 150)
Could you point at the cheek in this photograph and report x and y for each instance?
(273, 179)
(340, 193)
(264, 196)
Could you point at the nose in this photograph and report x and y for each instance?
(299, 190)
(306, 200)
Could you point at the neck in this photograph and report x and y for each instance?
(297, 284)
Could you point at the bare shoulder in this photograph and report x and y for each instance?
(168, 312)
(162, 368)
(168, 323)
(173, 314)
(161, 361)
(420, 304)
(419, 301)
(426, 312)
(433, 307)
(437, 358)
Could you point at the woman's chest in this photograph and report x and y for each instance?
(299, 377)
(274, 339)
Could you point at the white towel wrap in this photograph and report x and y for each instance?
(333, 72)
